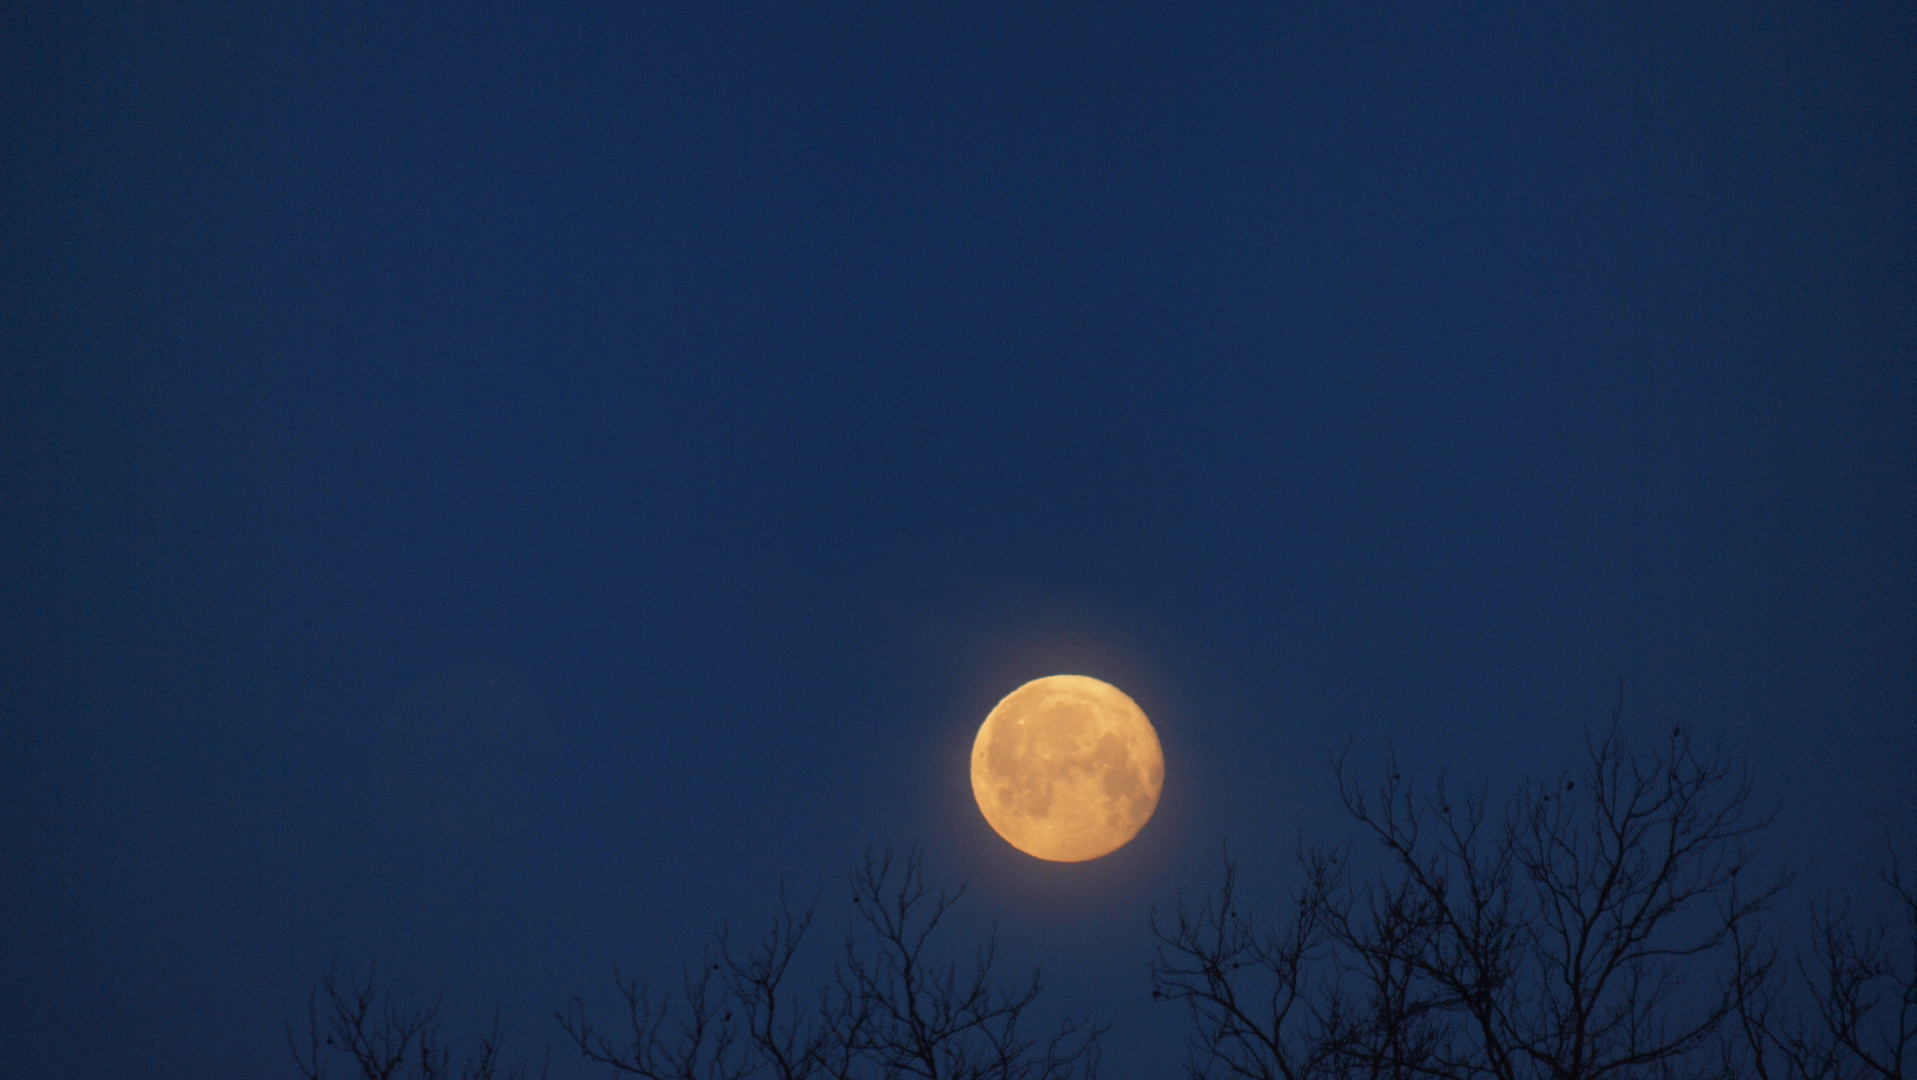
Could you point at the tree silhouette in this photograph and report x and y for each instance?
(1854, 1010)
(1586, 927)
(359, 1021)
(1605, 924)
(895, 1006)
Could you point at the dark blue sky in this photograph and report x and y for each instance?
(494, 489)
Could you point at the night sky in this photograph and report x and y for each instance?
(495, 488)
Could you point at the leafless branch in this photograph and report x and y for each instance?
(925, 1016)
(895, 1005)
(384, 1041)
(699, 1042)
(1597, 925)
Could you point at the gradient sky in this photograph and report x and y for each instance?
(494, 489)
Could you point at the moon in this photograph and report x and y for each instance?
(1067, 768)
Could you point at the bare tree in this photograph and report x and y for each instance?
(1261, 1005)
(1586, 927)
(926, 1017)
(734, 1018)
(360, 1021)
(895, 1005)
(699, 1040)
(796, 1039)
(1854, 1011)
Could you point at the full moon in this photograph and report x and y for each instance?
(1067, 768)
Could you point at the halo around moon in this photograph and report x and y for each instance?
(1067, 768)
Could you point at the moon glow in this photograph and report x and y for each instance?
(1067, 768)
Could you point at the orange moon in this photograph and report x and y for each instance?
(1067, 768)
